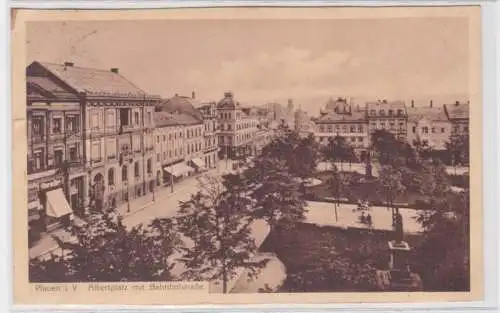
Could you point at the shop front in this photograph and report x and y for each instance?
(57, 212)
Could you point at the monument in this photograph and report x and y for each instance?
(398, 277)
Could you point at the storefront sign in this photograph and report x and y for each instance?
(52, 184)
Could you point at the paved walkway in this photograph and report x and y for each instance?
(361, 168)
(323, 214)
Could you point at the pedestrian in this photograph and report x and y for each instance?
(363, 218)
(369, 220)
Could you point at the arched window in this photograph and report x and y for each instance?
(149, 166)
(136, 169)
(124, 173)
(111, 177)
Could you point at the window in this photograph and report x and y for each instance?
(111, 147)
(170, 153)
(382, 112)
(73, 153)
(157, 139)
(56, 125)
(373, 112)
(58, 157)
(321, 128)
(96, 151)
(360, 139)
(425, 130)
(466, 128)
(169, 136)
(360, 128)
(149, 166)
(37, 125)
(221, 140)
(344, 129)
(136, 118)
(433, 129)
(94, 120)
(390, 112)
(353, 139)
(125, 117)
(164, 138)
(110, 118)
(136, 143)
(150, 119)
(188, 149)
(330, 128)
(124, 173)
(442, 129)
(414, 129)
(400, 112)
(39, 161)
(157, 157)
(164, 155)
(136, 169)
(353, 129)
(72, 124)
(382, 125)
(111, 177)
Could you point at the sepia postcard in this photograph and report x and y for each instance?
(247, 155)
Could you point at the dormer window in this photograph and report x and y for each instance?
(373, 112)
(382, 112)
(390, 112)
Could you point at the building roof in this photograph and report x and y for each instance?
(95, 82)
(180, 104)
(163, 119)
(228, 101)
(457, 110)
(333, 117)
(432, 114)
(385, 106)
(39, 87)
(340, 104)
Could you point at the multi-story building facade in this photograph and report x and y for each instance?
(303, 123)
(390, 116)
(117, 133)
(428, 127)
(210, 147)
(458, 115)
(352, 126)
(55, 160)
(237, 129)
(170, 150)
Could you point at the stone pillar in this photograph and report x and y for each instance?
(399, 254)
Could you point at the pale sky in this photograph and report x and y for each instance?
(261, 61)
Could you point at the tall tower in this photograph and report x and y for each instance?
(290, 105)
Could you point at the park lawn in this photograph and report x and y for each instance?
(327, 259)
(368, 190)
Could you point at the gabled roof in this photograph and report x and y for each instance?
(434, 114)
(163, 119)
(93, 82)
(457, 110)
(333, 117)
(385, 106)
(180, 104)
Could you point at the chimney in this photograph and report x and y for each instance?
(412, 103)
(430, 103)
(114, 70)
(193, 95)
(176, 94)
(457, 103)
(228, 94)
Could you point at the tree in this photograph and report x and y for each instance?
(392, 185)
(304, 159)
(103, 250)
(217, 221)
(338, 184)
(458, 148)
(443, 263)
(276, 195)
(338, 150)
(301, 155)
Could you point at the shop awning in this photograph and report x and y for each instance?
(178, 169)
(57, 205)
(198, 162)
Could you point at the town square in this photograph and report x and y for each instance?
(254, 183)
